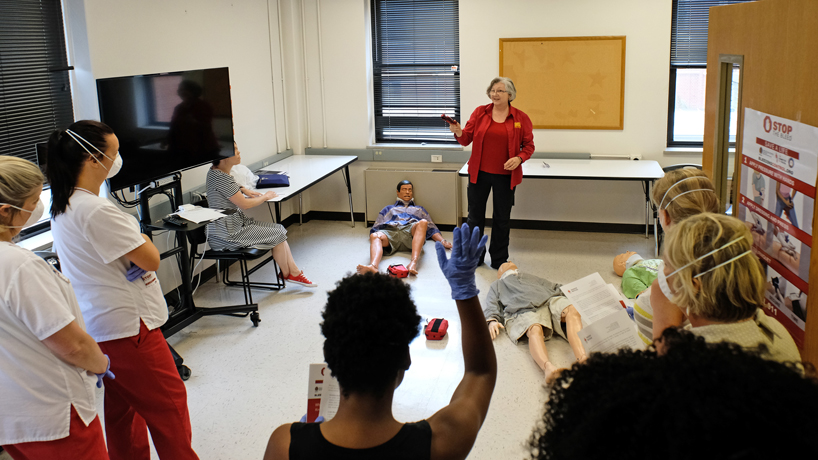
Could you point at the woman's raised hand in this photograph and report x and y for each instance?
(456, 129)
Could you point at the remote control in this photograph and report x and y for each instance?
(175, 220)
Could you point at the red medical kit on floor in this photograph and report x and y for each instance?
(436, 329)
(398, 271)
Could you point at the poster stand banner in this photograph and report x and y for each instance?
(779, 167)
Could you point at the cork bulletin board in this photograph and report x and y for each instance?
(567, 82)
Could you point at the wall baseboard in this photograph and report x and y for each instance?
(592, 227)
(562, 226)
(209, 273)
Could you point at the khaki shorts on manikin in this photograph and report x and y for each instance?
(400, 238)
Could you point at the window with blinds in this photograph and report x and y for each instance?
(35, 92)
(688, 62)
(416, 66)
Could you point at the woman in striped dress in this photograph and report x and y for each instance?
(237, 230)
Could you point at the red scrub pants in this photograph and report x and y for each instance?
(84, 442)
(147, 393)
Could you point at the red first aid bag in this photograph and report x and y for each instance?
(398, 271)
(436, 329)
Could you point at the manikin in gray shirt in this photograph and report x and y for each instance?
(526, 305)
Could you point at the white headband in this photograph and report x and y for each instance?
(671, 187)
(689, 191)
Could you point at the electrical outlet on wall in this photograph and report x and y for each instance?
(265, 163)
(437, 158)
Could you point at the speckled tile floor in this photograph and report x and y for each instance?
(246, 381)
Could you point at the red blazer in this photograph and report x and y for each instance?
(520, 139)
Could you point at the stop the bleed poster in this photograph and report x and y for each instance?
(779, 167)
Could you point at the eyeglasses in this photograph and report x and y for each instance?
(497, 91)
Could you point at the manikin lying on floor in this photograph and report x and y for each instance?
(526, 305)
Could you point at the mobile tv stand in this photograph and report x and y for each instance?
(187, 312)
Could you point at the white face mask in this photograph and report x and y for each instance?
(34, 216)
(662, 279)
(117, 162)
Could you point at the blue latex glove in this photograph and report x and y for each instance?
(467, 246)
(107, 373)
(319, 419)
(134, 273)
(630, 311)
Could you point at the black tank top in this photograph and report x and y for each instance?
(413, 442)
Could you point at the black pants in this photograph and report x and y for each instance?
(478, 195)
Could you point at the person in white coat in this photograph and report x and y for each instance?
(47, 360)
(111, 264)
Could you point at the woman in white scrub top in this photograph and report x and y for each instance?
(47, 360)
(111, 265)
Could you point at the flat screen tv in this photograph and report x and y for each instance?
(167, 122)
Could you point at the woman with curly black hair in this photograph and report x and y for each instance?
(369, 321)
(701, 401)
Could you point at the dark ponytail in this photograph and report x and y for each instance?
(66, 157)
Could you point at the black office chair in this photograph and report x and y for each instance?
(681, 166)
(242, 256)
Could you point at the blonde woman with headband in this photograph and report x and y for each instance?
(47, 360)
(111, 264)
(712, 275)
(677, 195)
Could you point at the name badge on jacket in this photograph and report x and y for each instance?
(517, 124)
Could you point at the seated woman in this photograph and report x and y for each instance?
(677, 195)
(236, 231)
(712, 275)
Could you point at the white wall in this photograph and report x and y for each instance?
(645, 23)
(109, 39)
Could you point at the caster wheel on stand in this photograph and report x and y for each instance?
(184, 372)
(254, 317)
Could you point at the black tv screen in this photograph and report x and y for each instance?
(167, 122)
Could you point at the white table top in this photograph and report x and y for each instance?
(305, 171)
(587, 169)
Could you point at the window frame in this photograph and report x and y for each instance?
(449, 105)
(671, 112)
(680, 48)
(47, 16)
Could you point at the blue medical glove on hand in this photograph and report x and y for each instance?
(467, 246)
(318, 419)
(630, 311)
(134, 273)
(107, 373)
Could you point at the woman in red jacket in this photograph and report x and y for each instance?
(503, 139)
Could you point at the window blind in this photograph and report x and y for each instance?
(688, 33)
(35, 92)
(416, 69)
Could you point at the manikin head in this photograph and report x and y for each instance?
(620, 263)
(504, 268)
(405, 191)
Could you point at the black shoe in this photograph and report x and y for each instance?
(497, 266)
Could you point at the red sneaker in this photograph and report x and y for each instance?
(300, 279)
